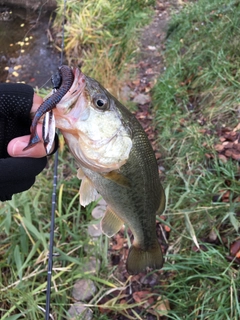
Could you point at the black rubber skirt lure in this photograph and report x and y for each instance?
(65, 81)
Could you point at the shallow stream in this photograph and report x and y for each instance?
(26, 49)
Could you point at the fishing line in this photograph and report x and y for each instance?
(54, 196)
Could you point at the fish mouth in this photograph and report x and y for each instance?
(77, 88)
(72, 106)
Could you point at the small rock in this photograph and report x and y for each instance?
(94, 230)
(79, 311)
(98, 212)
(125, 93)
(91, 265)
(84, 290)
(142, 99)
(102, 202)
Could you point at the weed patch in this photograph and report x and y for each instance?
(102, 36)
(194, 99)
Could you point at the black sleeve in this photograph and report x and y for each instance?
(16, 174)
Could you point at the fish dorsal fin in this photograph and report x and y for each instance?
(118, 178)
(111, 223)
(87, 191)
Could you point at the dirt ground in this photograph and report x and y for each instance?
(150, 66)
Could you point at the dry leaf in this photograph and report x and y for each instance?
(237, 127)
(228, 153)
(227, 145)
(162, 307)
(167, 228)
(139, 296)
(235, 155)
(119, 244)
(219, 147)
(222, 158)
(235, 249)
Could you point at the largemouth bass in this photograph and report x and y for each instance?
(115, 160)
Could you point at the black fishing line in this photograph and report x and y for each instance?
(54, 197)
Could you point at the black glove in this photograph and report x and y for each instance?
(16, 174)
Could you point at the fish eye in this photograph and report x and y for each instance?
(100, 102)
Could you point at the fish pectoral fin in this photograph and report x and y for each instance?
(139, 260)
(111, 223)
(80, 174)
(118, 178)
(87, 192)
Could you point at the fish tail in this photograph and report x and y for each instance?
(139, 260)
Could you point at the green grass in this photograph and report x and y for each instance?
(103, 36)
(24, 231)
(197, 95)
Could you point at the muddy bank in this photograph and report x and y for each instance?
(30, 4)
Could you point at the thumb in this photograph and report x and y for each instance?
(16, 146)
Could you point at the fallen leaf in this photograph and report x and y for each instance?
(222, 158)
(167, 228)
(17, 67)
(158, 155)
(136, 82)
(231, 136)
(225, 195)
(222, 139)
(119, 244)
(209, 155)
(235, 155)
(228, 153)
(219, 147)
(227, 145)
(235, 249)
(142, 98)
(139, 296)
(162, 307)
(236, 146)
(152, 48)
(149, 71)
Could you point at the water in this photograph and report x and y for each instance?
(26, 51)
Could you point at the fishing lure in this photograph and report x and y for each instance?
(62, 82)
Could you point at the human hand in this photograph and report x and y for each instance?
(16, 145)
(18, 173)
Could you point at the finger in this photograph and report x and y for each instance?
(16, 146)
